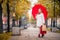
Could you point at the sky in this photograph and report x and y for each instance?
(32, 4)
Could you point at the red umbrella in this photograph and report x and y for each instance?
(35, 10)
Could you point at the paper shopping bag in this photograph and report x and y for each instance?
(44, 28)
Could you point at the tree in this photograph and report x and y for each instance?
(49, 4)
(22, 6)
(1, 27)
(16, 6)
(52, 7)
(57, 11)
(8, 16)
(8, 10)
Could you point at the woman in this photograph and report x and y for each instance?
(40, 21)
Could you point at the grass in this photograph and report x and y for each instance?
(5, 36)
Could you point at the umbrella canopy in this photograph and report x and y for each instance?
(35, 10)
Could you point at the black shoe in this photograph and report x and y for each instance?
(42, 35)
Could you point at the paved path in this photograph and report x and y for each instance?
(31, 34)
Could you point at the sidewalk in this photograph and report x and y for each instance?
(31, 34)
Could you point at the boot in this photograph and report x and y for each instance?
(42, 35)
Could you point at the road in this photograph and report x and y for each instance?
(32, 34)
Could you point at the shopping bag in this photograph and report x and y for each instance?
(44, 28)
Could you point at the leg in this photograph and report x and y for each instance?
(39, 33)
(42, 32)
(42, 35)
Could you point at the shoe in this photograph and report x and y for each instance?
(42, 35)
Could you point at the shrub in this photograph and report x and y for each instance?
(5, 36)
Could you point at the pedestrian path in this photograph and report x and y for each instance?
(31, 34)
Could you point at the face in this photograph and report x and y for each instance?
(39, 11)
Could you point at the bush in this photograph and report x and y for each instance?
(5, 36)
(57, 31)
(49, 29)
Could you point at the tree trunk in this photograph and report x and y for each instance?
(1, 27)
(20, 22)
(8, 15)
